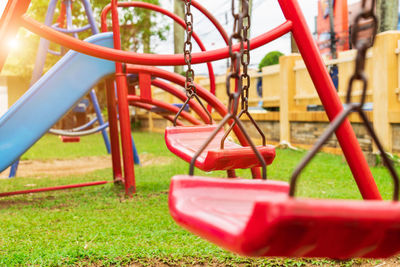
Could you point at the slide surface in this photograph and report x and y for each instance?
(50, 98)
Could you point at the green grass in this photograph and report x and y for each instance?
(99, 226)
(51, 147)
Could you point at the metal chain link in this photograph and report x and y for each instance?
(241, 29)
(240, 33)
(190, 87)
(236, 58)
(187, 51)
(362, 45)
(245, 59)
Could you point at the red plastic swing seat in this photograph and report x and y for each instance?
(258, 218)
(185, 141)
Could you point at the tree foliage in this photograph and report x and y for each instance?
(271, 58)
(387, 11)
(138, 28)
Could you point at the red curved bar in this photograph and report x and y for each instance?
(182, 96)
(145, 59)
(158, 103)
(181, 22)
(149, 107)
(202, 92)
(213, 20)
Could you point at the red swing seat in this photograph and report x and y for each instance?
(184, 141)
(258, 218)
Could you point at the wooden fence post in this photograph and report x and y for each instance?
(287, 92)
(384, 83)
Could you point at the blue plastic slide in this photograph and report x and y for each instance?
(50, 98)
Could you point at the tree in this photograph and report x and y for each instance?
(387, 11)
(271, 58)
(137, 28)
(138, 25)
(179, 33)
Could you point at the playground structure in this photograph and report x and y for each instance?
(64, 24)
(256, 198)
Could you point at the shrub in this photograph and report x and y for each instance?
(271, 58)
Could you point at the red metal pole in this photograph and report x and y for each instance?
(61, 17)
(9, 24)
(113, 126)
(330, 99)
(54, 188)
(124, 118)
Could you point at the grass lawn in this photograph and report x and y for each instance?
(99, 226)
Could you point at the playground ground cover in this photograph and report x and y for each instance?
(100, 226)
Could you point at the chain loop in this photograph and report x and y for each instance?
(362, 45)
(190, 87)
(187, 50)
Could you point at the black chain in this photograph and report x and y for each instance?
(236, 58)
(190, 87)
(241, 29)
(245, 59)
(187, 51)
(362, 45)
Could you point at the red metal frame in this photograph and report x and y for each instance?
(9, 24)
(54, 188)
(166, 106)
(330, 99)
(180, 21)
(62, 16)
(123, 110)
(146, 59)
(150, 108)
(113, 127)
(295, 23)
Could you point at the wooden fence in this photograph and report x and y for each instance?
(288, 90)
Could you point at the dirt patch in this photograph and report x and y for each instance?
(147, 159)
(66, 167)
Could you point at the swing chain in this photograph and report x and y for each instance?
(190, 87)
(187, 50)
(245, 58)
(241, 31)
(362, 45)
(236, 58)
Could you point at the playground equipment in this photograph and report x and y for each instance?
(14, 17)
(252, 217)
(60, 92)
(41, 88)
(265, 219)
(64, 24)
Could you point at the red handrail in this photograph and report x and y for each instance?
(146, 59)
